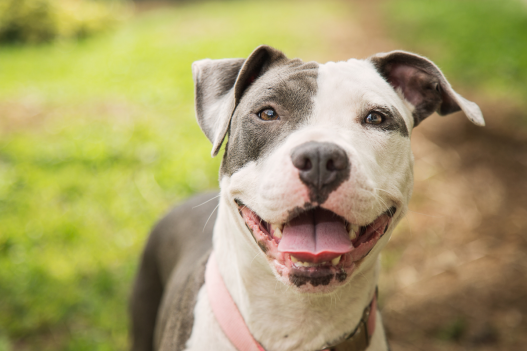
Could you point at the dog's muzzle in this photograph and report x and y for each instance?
(322, 167)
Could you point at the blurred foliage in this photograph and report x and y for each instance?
(482, 43)
(36, 21)
(453, 331)
(97, 140)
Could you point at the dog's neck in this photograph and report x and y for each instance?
(279, 317)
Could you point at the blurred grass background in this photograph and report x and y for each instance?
(98, 137)
(98, 140)
(482, 44)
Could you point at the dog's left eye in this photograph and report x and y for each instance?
(268, 114)
(374, 118)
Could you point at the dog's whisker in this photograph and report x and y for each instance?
(386, 191)
(380, 200)
(209, 200)
(257, 254)
(208, 219)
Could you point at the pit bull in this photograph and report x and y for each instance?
(316, 173)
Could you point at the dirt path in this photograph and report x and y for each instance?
(454, 274)
(459, 281)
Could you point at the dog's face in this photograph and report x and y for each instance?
(318, 162)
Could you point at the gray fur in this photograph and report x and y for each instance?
(213, 82)
(167, 279)
(288, 86)
(219, 86)
(424, 85)
(174, 332)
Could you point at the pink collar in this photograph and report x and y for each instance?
(234, 327)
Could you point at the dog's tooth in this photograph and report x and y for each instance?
(277, 230)
(354, 229)
(336, 260)
(299, 263)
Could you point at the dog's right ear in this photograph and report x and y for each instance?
(219, 86)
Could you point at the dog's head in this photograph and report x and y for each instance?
(318, 161)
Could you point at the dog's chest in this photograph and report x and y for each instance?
(292, 332)
(206, 332)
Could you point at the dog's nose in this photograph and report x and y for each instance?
(322, 166)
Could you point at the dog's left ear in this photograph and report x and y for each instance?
(220, 84)
(423, 85)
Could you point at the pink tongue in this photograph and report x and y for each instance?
(315, 236)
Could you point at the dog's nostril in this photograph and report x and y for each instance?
(302, 163)
(307, 165)
(330, 166)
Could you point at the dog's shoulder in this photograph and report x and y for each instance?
(184, 241)
(171, 273)
(177, 310)
(184, 235)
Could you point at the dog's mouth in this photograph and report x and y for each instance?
(316, 247)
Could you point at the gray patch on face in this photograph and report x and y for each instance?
(393, 122)
(288, 88)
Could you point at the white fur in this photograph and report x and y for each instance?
(206, 334)
(280, 317)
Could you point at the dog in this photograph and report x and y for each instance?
(317, 171)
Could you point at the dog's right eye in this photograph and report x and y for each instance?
(268, 114)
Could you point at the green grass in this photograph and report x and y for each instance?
(97, 140)
(482, 43)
